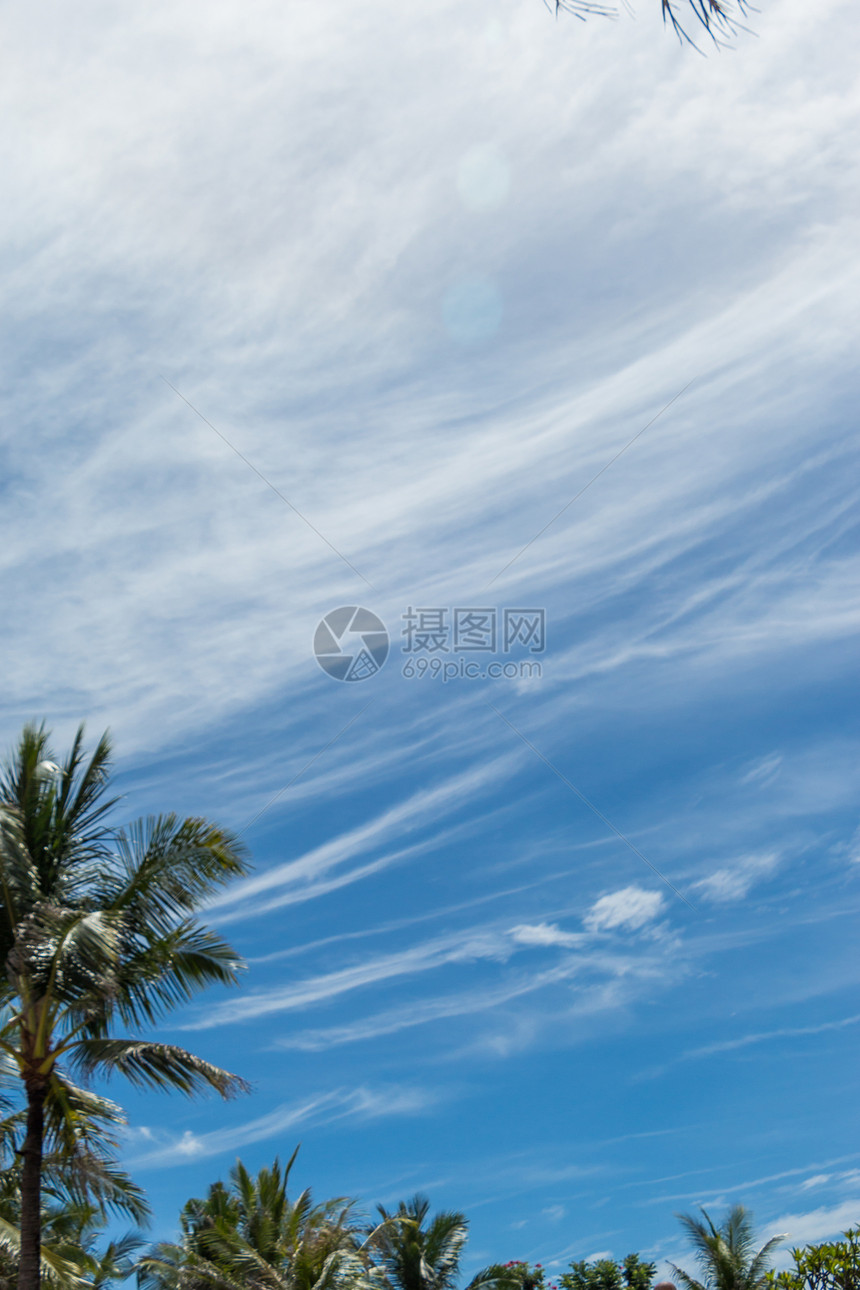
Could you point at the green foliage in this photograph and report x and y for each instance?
(727, 1255)
(515, 1275)
(80, 1187)
(417, 1252)
(600, 1274)
(251, 1236)
(97, 932)
(607, 1274)
(70, 1229)
(831, 1265)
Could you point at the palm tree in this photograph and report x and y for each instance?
(726, 1255)
(417, 1254)
(251, 1236)
(97, 930)
(80, 1188)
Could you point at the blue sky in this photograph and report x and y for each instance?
(430, 270)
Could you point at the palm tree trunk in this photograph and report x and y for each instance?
(30, 1263)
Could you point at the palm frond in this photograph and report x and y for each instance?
(61, 807)
(726, 1254)
(57, 1270)
(167, 866)
(155, 1065)
(116, 1262)
(161, 971)
(78, 1166)
(720, 20)
(688, 1282)
(760, 1265)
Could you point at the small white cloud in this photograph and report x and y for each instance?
(815, 1181)
(849, 849)
(544, 934)
(734, 881)
(555, 1213)
(630, 908)
(139, 1132)
(764, 771)
(190, 1145)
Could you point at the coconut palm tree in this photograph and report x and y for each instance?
(64, 1265)
(417, 1252)
(726, 1255)
(251, 1236)
(81, 1187)
(97, 932)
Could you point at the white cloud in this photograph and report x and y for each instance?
(762, 1037)
(763, 771)
(196, 590)
(272, 213)
(854, 847)
(311, 875)
(463, 947)
(611, 980)
(628, 909)
(818, 1224)
(734, 881)
(546, 934)
(339, 1104)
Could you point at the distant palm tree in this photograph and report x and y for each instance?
(727, 1255)
(251, 1236)
(97, 929)
(417, 1252)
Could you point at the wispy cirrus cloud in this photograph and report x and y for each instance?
(336, 1105)
(316, 873)
(784, 1032)
(292, 282)
(753, 1039)
(734, 881)
(629, 909)
(439, 952)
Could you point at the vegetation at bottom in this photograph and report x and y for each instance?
(99, 938)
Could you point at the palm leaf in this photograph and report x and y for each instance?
(167, 866)
(155, 1065)
(726, 1254)
(62, 1272)
(163, 971)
